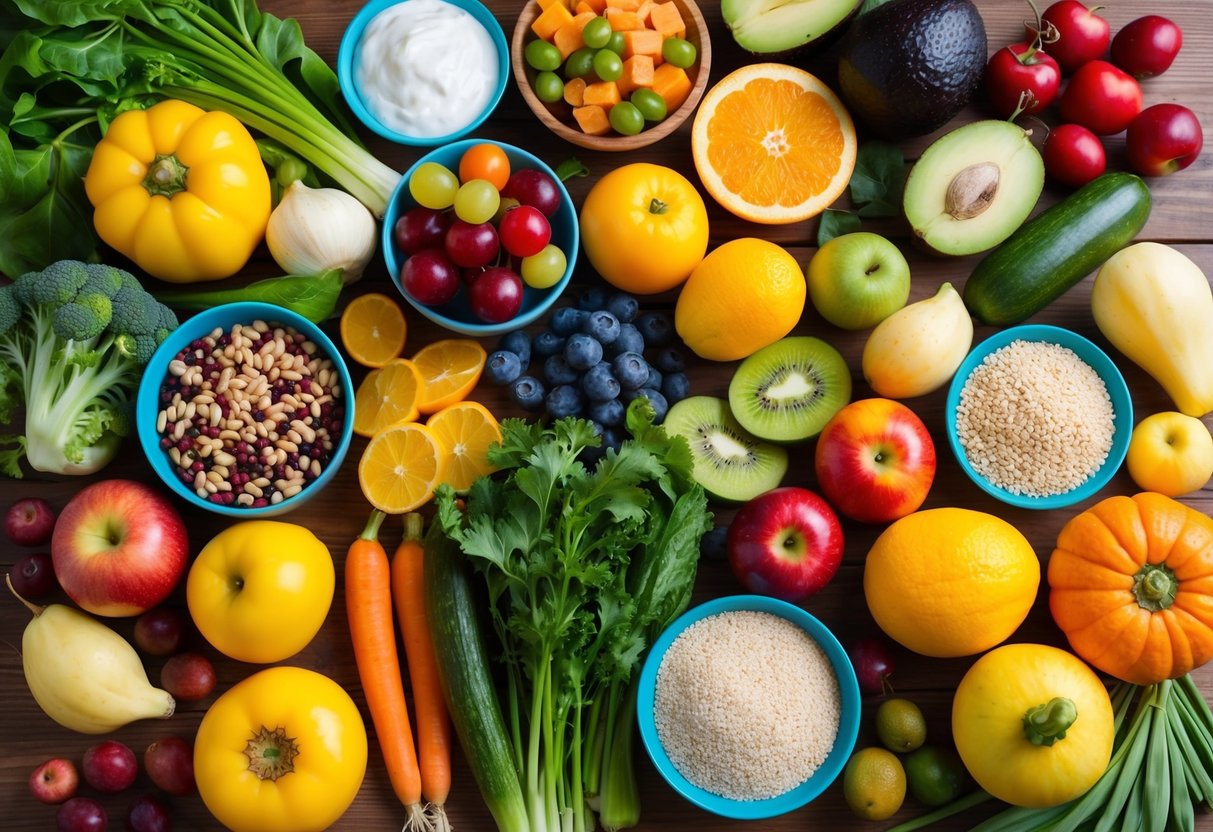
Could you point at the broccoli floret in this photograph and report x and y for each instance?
(102, 280)
(135, 312)
(58, 283)
(77, 322)
(166, 322)
(129, 281)
(100, 304)
(10, 309)
(23, 286)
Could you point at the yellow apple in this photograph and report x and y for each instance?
(1170, 453)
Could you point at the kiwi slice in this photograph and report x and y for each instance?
(789, 390)
(729, 463)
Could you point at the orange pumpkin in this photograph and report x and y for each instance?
(1131, 585)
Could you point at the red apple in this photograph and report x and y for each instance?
(54, 781)
(1163, 139)
(119, 548)
(875, 461)
(786, 543)
(29, 522)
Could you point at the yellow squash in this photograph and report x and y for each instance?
(180, 191)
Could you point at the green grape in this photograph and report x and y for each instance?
(548, 87)
(539, 271)
(650, 104)
(579, 64)
(678, 52)
(616, 44)
(607, 65)
(596, 33)
(542, 56)
(433, 186)
(507, 202)
(477, 201)
(626, 119)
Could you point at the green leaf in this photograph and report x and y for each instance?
(835, 224)
(868, 5)
(75, 12)
(879, 176)
(570, 168)
(312, 296)
(281, 43)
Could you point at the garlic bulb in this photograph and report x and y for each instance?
(316, 229)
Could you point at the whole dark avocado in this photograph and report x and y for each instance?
(908, 66)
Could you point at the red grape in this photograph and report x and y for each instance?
(430, 277)
(188, 676)
(170, 765)
(109, 766)
(471, 246)
(80, 814)
(29, 522)
(158, 632)
(524, 231)
(535, 188)
(33, 576)
(149, 814)
(421, 228)
(496, 296)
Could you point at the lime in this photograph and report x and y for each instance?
(874, 784)
(935, 775)
(900, 725)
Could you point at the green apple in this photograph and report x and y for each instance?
(1170, 453)
(857, 280)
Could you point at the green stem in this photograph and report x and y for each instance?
(1154, 587)
(957, 806)
(1046, 724)
(371, 530)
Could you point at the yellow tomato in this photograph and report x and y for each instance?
(282, 751)
(644, 228)
(260, 590)
(1033, 725)
(1170, 453)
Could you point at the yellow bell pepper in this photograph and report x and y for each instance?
(180, 191)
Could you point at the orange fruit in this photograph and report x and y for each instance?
(401, 467)
(950, 582)
(373, 329)
(773, 144)
(465, 431)
(387, 396)
(451, 369)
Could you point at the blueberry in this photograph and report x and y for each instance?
(503, 367)
(602, 326)
(593, 299)
(557, 371)
(519, 343)
(609, 413)
(612, 438)
(669, 360)
(675, 387)
(653, 382)
(629, 340)
(660, 406)
(527, 392)
(655, 327)
(631, 369)
(624, 307)
(567, 320)
(563, 401)
(599, 383)
(582, 352)
(547, 343)
(714, 544)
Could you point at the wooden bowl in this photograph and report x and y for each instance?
(558, 116)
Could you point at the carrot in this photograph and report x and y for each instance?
(368, 603)
(433, 726)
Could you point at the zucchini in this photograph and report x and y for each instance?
(1056, 249)
(467, 685)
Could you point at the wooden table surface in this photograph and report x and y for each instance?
(1182, 215)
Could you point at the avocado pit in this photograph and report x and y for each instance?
(972, 190)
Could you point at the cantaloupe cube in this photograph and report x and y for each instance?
(637, 72)
(623, 21)
(672, 84)
(592, 120)
(665, 18)
(582, 7)
(596, 6)
(641, 42)
(543, 4)
(643, 12)
(582, 18)
(603, 93)
(553, 17)
(574, 92)
(568, 38)
(625, 5)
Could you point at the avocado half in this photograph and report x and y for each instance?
(973, 187)
(772, 26)
(908, 66)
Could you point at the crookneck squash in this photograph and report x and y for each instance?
(1131, 585)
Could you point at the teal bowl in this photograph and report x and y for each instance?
(456, 315)
(1097, 359)
(147, 402)
(350, 52)
(848, 723)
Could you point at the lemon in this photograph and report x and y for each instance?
(900, 725)
(874, 784)
(743, 296)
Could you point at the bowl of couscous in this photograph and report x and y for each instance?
(1039, 417)
(728, 734)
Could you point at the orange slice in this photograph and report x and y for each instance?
(451, 369)
(373, 329)
(387, 396)
(400, 468)
(465, 431)
(773, 144)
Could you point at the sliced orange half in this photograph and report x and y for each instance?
(773, 144)
(451, 369)
(400, 468)
(465, 430)
(387, 396)
(373, 329)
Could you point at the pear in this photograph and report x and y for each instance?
(917, 349)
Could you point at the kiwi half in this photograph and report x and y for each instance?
(789, 390)
(729, 463)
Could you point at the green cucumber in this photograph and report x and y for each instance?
(1055, 250)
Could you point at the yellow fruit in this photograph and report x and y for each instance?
(465, 431)
(900, 725)
(745, 295)
(387, 396)
(450, 369)
(400, 468)
(773, 144)
(950, 582)
(874, 784)
(1170, 453)
(373, 329)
